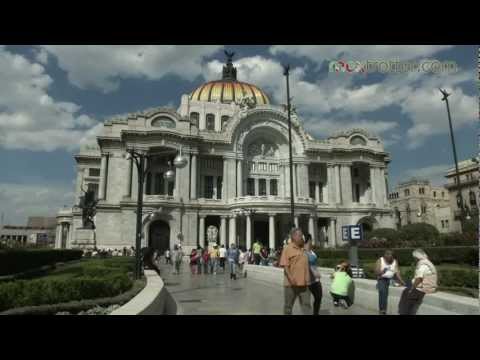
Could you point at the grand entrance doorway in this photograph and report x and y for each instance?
(159, 236)
(260, 232)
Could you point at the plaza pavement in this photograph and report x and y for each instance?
(218, 295)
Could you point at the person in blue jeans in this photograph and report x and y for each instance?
(232, 256)
(386, 269)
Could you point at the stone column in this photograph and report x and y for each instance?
(338, 184)
(223, 230)
(256, 186)
(330, 185)
(193, 178)
(128, 177)
(58, 239)
(271, 231)
(295, 219)
(215, 187)
(317, 191)
(373, 190)
(311, 228)
(383, 186)
(224, 180)
(239, 178)
(233, 230)
(305, 181)
(332, 238)
(248, 231)
(295, 182)
(103, 169)
(201, 232)
(346, 177)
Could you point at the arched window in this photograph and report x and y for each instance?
(194, 117)
(225, 119)
(163, 121)
(358, 140)
(210, 122)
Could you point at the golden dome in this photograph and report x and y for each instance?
(229, 89)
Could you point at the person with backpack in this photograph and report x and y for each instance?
(425, 281)
(232, 255)
(387, 270)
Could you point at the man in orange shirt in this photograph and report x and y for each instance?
(295, 264)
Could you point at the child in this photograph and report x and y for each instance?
(341, 285)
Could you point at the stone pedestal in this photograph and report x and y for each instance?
(84, 238)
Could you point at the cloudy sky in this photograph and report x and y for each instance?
(54, 98)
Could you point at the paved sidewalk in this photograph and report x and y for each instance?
(218, 295)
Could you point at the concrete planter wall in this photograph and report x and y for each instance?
(366, 294)
(154, 299)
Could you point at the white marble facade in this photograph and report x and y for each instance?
(240, 162)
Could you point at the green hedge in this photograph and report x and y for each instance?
(17, 261)
(438, 255)
(51, 291)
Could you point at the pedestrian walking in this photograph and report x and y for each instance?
(168, 257)
(387, 270)
(242, 256)
(296, 273)
(315, 286)
(264, 256)
(206, 260)
(193, 261)
(340, 289)
(425, 281)
(200, 260)
(214, 254)
(257, 248)
(222, 256)
(233, 256)
(177, 257)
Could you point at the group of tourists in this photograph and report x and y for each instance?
(301, 277)
(109, 252)
(211, 261)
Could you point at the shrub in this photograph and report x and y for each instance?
(20, 260)
(391, 236)
(51, 291)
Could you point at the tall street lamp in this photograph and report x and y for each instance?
(143, 163)
(459, 196)
(286, 73)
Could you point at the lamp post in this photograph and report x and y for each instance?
(143, 161)
(286, 73)
(459, 196)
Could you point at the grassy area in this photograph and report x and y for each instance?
(85, 279)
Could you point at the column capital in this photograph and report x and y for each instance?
(272, 214)
(224, 216)
(202, 216)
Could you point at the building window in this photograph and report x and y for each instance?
(421, 191)
(251, 187)
(170, 188)
(219, 187)
(424, 209)
(159, 184)
(225, 119)
(148, 184)
(262, 187)
(194, 117)
(94, 172)
(312, 189)
(407, 192)
(209, 187)
(320, 185)
(443, 194)
(273, 187)
(355, 172)
(93, 187)
(357, 193)
(473, 200)
(210, 122)
(163, 121)
(446, 224)
(434, 194)
(358, 140)
(443, 224)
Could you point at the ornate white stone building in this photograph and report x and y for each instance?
(236, 178)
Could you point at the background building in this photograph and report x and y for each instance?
(468, 170)
(416, 201)
(236, 180)
(38, 231)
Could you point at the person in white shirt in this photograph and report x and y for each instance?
(241, 260)
(222, 256)
(386, 269)
(425, 281)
